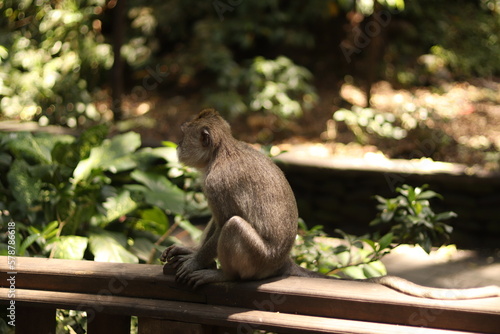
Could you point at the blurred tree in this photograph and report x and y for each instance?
(240, 55)
(53, 55)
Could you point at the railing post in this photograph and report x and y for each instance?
(31, 320)
(158, 326)
(103, 323)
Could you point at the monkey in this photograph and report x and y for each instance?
(254, 217)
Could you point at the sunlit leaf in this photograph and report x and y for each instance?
(112, 155)
(386, 240)
(355, 272)
(70, 247)
(161, 191)
(445, 216)
(115, 207)
(110, 247)
(193, 231)
(142, 248)
(428, 194)
(27, 242)
(25, 188)
(374, 269)
(153, 219)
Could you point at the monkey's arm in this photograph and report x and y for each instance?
(208, 249)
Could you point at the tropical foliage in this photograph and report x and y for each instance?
(94, 197)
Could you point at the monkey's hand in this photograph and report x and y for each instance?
(172, 255)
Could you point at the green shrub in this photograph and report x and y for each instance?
(91, 195)
(411, 221)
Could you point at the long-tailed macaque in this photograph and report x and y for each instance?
(254, 216)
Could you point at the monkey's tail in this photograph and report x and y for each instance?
(410, 288)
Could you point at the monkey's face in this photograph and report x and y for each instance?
(202, 138)
(194, 148)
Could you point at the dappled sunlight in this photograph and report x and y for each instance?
(327, 155)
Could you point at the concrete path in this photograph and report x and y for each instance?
(446, 267)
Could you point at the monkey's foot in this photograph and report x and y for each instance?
(171, 253)
(201, 277)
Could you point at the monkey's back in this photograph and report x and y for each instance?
(244, 182)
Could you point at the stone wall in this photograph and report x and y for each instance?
(340, 195)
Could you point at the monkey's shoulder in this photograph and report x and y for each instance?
(244, 163)
(254, 162)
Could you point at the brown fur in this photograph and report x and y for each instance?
(255, 216)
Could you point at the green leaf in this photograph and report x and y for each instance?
(5, 159)
(25, 146)
(426, 244)
(154, 220)
(386, 216)
(445, 216)
(169, 144)
(370, 243)
(115, 207)
(381, 199)
(386, 241)
(193, 231)
(355, 272)
(161, 192)
(428, 194)
(70, 247)
(25, 188)
(27, 242)
(142, 248)
(50, 230)
(112, 155)
(110, 247)
(374, 269)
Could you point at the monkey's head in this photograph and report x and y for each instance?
(202, 138)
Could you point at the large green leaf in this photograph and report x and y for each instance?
(142, 248)
(160, 191)
(154, 220)
(148, 155)
(110, 247)
(24, 187)
(113, 155)
(70, 247)
(373, 269)
(24, 146)
(115, 207)
(193, 231)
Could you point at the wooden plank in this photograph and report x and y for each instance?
(245, 320)
(102, 323)
(359, 301)
(32, 319)
(105, 278)
(307, 296)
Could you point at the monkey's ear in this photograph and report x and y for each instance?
(205, 138)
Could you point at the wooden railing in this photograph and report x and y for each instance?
(111, 293)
